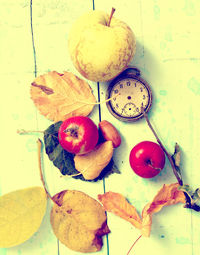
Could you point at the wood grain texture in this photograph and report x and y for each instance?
(34, 41)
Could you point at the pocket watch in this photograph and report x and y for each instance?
(128, 94)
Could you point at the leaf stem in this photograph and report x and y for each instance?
(175, 162)
(180, 181)
(88, 103)
(39, 143)
(134, 244)
(70, 175)
(100, 102)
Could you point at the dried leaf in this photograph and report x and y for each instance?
(167, 195)
(196, 196)
(78, 221)
(176, 158)
(111, 168)
(60, 96)
(177, 155)
(92, 163)
(117, 204)
(64, 160)
(193, 198)
(21, 213)
(186, 188)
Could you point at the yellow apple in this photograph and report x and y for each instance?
(101, 46)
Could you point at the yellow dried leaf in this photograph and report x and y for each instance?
(167, 195)
(117, 204)
(91, 164)
(21, 213)
(78, 221)
(60, 96)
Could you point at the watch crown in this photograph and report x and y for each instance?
(132, 70)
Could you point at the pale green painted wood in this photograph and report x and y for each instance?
(168, 56)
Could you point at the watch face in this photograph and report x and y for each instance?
(129, 95)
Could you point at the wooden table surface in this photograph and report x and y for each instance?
(33, 41)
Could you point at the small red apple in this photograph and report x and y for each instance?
(147, 159)
(78, 135)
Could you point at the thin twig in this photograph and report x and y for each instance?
(134, 244)
(23, 131)
(163, 148)
(39, 143)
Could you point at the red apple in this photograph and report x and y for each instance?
(78, 135)
(147, 159)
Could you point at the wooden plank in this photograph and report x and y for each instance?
(51, 26)
(19, 153)
(17, 71)
(166, 55)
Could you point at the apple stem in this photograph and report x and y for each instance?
(134, 244)
(149, 163)
(73, 131)
(111, 15)
(180, 181)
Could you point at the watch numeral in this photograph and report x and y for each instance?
(128, 83)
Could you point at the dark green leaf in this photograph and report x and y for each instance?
(186, 188)
(193, 201)
(109, 169)
(196, 197)
(64, 160)
(51, 137)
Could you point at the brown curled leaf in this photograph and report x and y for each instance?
(60, 96)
